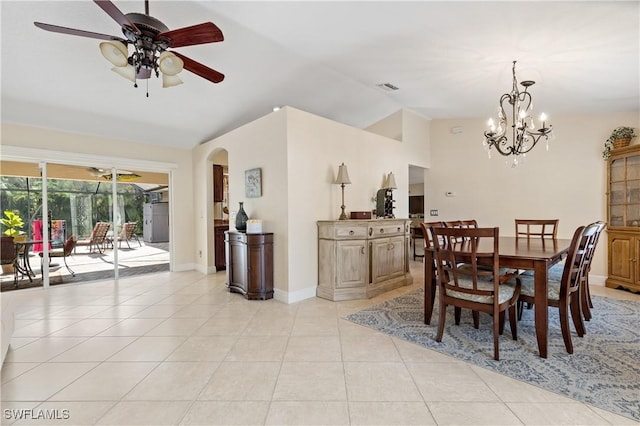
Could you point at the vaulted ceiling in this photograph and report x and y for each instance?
(448, 59)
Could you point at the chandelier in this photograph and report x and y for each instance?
(523, 129)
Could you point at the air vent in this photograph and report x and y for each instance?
(388, 87)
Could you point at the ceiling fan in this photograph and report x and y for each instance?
(150, 40)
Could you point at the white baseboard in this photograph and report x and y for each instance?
(186, 267)
(598, 280)
(296, 296)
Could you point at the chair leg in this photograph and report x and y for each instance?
(73, 274)
(501, 319)
(564, 326)
(476, 319)
(457, 313)
(496, 335)
(512, 321)
(520, 309)
(576, 315)
(443, 316)
(585, 300)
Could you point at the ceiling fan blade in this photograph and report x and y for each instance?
(117, 15)
(199, 69)
(73, 31)
(203, 33)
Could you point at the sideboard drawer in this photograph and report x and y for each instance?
(350, 232)
(386, 230)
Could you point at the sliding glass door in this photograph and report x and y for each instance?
(64, 244)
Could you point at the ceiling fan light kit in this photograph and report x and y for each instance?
(128, 72)
(170, 80)
(115, 52)
(150, 40)
(169, 63)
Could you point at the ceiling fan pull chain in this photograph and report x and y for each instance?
(147, 88)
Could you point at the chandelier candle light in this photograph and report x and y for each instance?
(524, 133)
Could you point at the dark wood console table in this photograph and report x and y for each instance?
(250, 264)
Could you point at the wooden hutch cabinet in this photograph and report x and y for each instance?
(623, 218)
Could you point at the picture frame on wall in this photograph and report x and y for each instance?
(253, 183)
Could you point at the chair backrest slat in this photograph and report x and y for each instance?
(543, 228)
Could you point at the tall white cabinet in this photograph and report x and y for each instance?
(155, 228)
(359, 259)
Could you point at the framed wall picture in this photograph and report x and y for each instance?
(253, 183)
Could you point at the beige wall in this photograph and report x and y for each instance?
(73, 148)
(261, 143)
(299, 154)
(566, 182)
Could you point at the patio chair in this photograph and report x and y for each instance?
(9, 256)
(127, 233)
(66, 251)
(97, 238)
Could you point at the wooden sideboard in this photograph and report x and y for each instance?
(359, 259)
(250, 264)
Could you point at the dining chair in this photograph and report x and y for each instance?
(585, 293)
(67, 250)
(543, 228)
(474, 287)
(565, 294)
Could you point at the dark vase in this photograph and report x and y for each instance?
(241, 219)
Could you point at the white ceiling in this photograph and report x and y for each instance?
(449, 60)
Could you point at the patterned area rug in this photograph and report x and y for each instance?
(603, 371)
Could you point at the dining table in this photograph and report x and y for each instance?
(517, 253)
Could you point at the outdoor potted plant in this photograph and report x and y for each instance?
(13, 222)
(620, 137)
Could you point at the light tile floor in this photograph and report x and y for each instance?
(178, 348)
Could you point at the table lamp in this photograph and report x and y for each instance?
(342, 180)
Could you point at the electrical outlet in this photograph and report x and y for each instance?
(433, 212)
(200, 253)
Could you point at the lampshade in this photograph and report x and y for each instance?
(115, 52)
(128, 72)
(343, 175)
(390, 183)
(170, 80)
(169, 63)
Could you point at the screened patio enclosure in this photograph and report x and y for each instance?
(78, 198)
